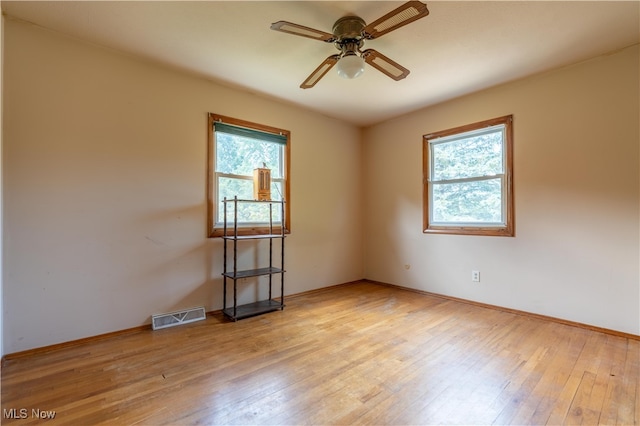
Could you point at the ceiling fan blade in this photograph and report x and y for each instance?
(319, 72)
(395, 19)
(299, 30)
(384, 64)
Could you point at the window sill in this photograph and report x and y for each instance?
(475, 230)
(247, 230)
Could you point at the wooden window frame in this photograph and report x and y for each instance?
(216, 230)
(506, 230)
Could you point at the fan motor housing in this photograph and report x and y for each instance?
(348, 28)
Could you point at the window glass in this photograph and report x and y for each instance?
(475, 155)
(474, 202)
(247, 213)
(240, 155)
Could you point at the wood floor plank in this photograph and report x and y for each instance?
(356, 354)
(560, 361)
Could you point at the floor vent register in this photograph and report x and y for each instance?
(172, 319)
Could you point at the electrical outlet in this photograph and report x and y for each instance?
(475, 276)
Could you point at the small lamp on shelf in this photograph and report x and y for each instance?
(262, 183)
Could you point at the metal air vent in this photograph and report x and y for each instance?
(172, 319)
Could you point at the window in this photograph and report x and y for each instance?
(236, 148)
(468, 179)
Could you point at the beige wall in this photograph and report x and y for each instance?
(105, 215)
(576, 250)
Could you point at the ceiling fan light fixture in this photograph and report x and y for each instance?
(350, 66)
(349, 35)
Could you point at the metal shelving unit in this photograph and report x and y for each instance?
(236, 312)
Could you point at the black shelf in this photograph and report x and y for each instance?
(252, 237)
(253, 309)
(252, 273)
(231, 241)
(241, 200)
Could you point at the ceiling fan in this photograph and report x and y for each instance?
(349, 34)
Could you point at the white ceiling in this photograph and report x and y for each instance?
(461, 47)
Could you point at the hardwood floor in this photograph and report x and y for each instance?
(354, 354)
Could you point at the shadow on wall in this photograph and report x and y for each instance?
(176, 274)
